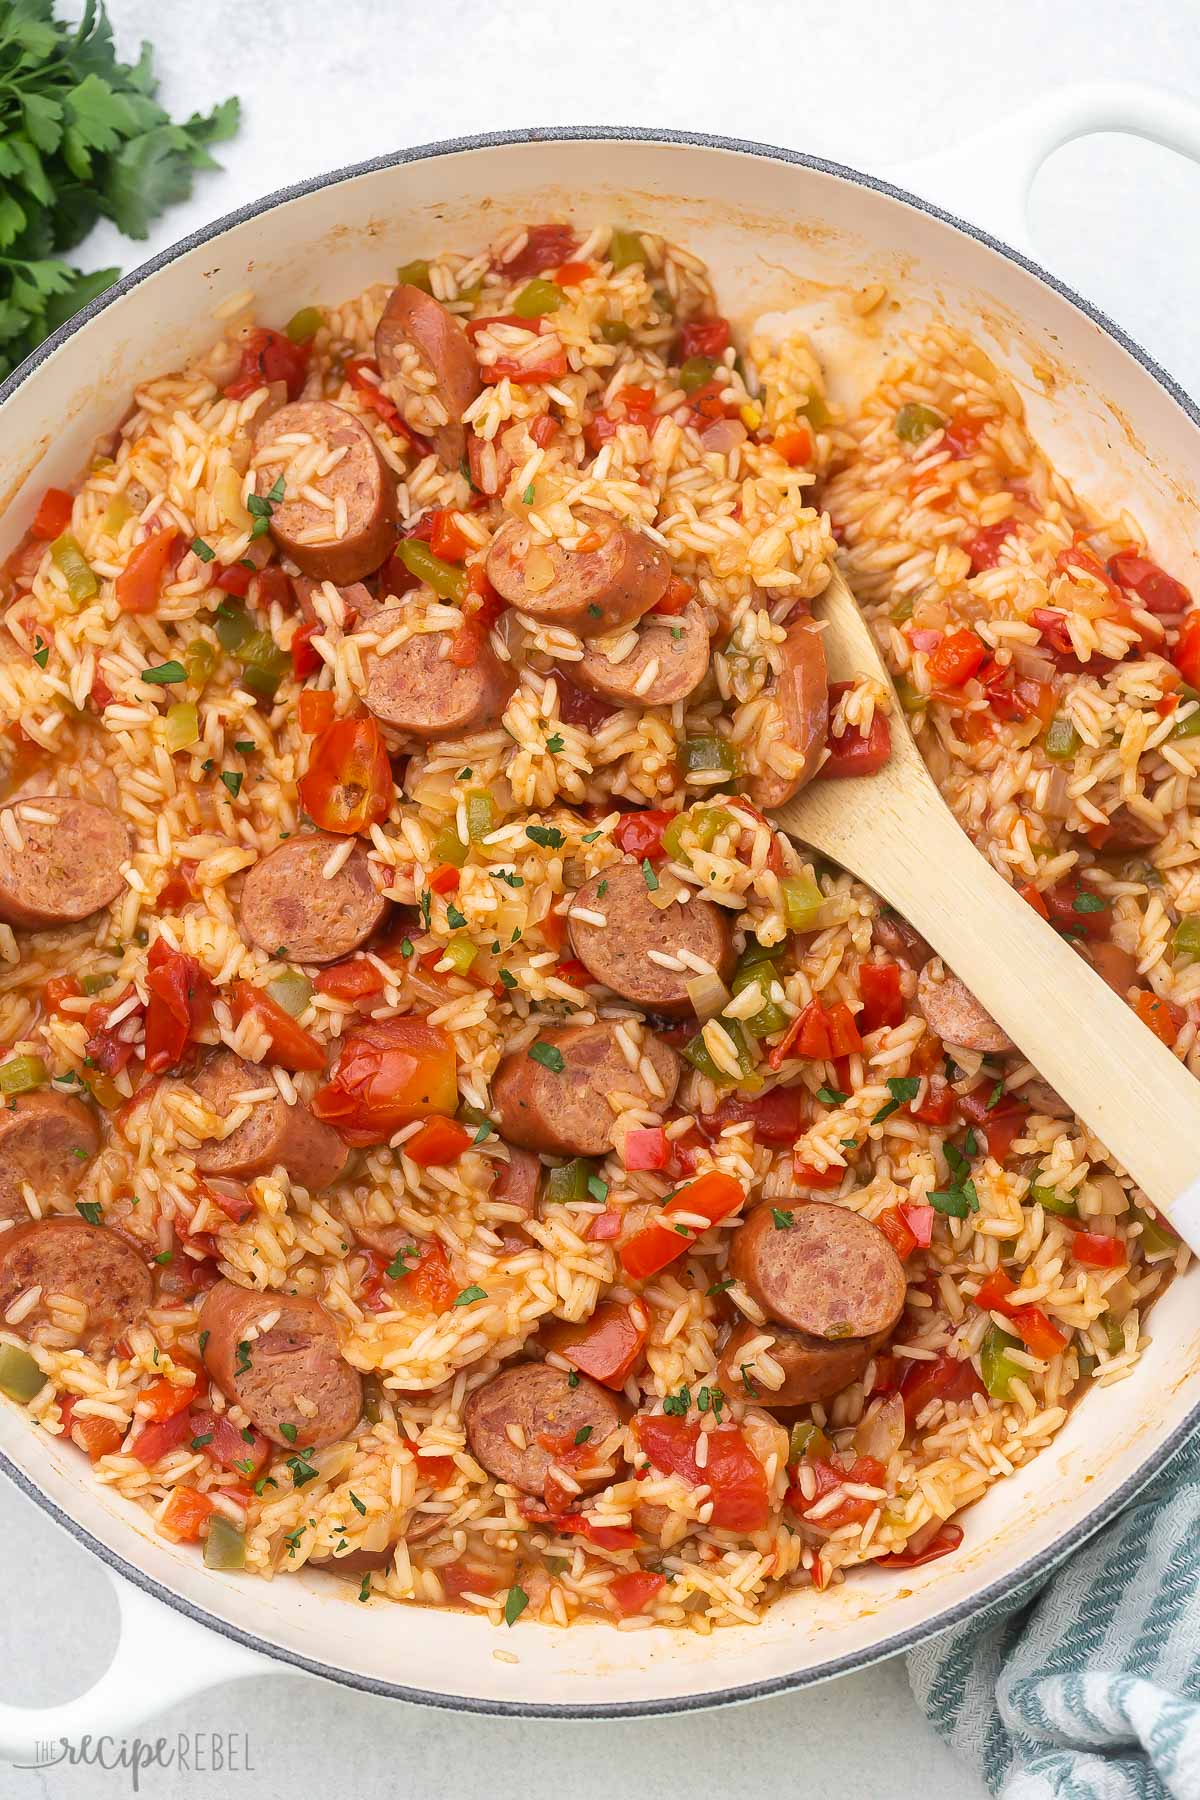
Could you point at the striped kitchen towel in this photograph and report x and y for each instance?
(1085, 1685)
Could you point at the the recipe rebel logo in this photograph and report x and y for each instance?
(185, 1753)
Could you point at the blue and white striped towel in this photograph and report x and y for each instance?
(1086, 1686)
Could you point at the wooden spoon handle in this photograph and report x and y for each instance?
(1131, 1091)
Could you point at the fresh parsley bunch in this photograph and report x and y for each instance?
(81, 136)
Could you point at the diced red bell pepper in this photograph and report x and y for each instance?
(703, 337)
(945, 1378)
(546, 247)
(235, 580)
(1158, 592)
(712, 1197)
(805, 1175)
(640, 834)
(270, 356)
(864, 1471)
(608, 1346)
(305, 662)
(995, 1292)
(315, 709)
(184, 1514)
(573, 274)
(355, 979)
(291, 1046)
(577, 707)
(162, 1399)
(732, 1472)
(180, 1002)
(1002, 1122)
(795, 444)
(1039, 1335)
(779, 1117)
(1186, 654)
(446, 539)
(895, 1229)
(140, 583)
(855, 753)
(58, 989)
(679, 593)
(1163, 1017)
(647, 1148)
(53, 514)
(962, 436)
(937, 1108)
(948, 1538)
(567, 1523)
(984, 546)
(439, 1141)
(444, 879)
(956, 659)
(156, 1440)
(883, 1000)
(633, 1593)
(1098, 1250)
(919, 1220)
(1035, 898)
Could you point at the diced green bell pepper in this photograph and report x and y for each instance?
(1050, 1200)
(914, 422)
(448, 847)
(1156, 1237)
(695, 372)
(696, 1052)
(1061, 741)
(614, 331)
(225, 1544)
(291, 990)
(447, 582)
(802, 901)
(304, 325)
(706, 755)
(415, 274)
(569, 1182)
(538, 298)
(625, 248)
(1185, 940)
(997, 1366)
(481, 815)
(72, 564)
(21, 1074)
(20, 1377)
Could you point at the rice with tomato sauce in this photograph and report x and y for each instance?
(1038, 653)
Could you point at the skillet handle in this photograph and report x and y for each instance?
(161, 1657)
(987, 178)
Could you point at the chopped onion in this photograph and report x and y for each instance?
(881, 1433)
(1057, 803)
(227, 491)
(723, 435)
(708, 995)
(1028, 659)
(924, 640)
(538, 570)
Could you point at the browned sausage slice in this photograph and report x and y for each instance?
(356, 1562)
(86, 1263)
(312, 1153)
(900, 939)
(612, 576)
(418, 689)
(618, 952)
(60, 860)
(1115, 966)
(359, 602)
(668, 662)
(561, 1104)
(277, 1356)
(800, 686)
(830, 1272)
(412, 317)
(289, 905)
(325, 448)
(517, 1184)
(813, 1367)
(953, 1012)
(546, 1415)
(47, 1139)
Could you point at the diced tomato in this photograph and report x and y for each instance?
(937, 1108)
(347, 786)
(703, 337)
(731, 1470)
(1053, 628)
(96, 1437)
(647, 1149)
(633, 1593)
(107, 1049)
(53, 514)
(962, 436)
(234, 580)
(140, 583)
(805, 1175)
(305, 662)
(1002, 1122)
(162, 1399)
(544, 429)
(1164, 1018)
(1098, 1250)
(446, 539)
(712, 1197)
(270, 356)
(1039, 1335)
(230, 1196)
(604, 1228)
(944, 1540)
(58, 989)
(853, 753)
(573, 274)
(844, 1038)
(994, 1293)
(945, 1378)
(956, 659)
(1158, 592)
(389, 1072)
(316, 709)
(895, 1229)
(883, 1001)
(358, 372)
(1079, 560)
(984, 546)
(545, 247)
(779, 1117)
(438, 1142)
(577, 707)
(608, 1346)
(807, 1035)
(429, 1281)
(291, 1046)
(639, 834)
(864, 1471)
(1015, 697)
(1035, 898)
(550, 365)
(1186, 654)
(458, 1578)
(355, 979)
(245, 1450)
(154, 1441)
(559, 1516)
(180, 1001)
(679, 593)
(444, 879)
(184, 1514)
(1068, 915)
(795, 444)
(712, 401)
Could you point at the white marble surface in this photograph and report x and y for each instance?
(869, 82)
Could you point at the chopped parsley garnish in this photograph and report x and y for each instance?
(204, 551)
(302, 1469)
(454, 918)
(555, 744)
(357, 1504)
(364, 1587)
(549, 1055)
(593, 611)
(971, 1143)
(1088, 903)
(996, 1095)
(589, 837)
(830, 1096)
(783, 1220)
(719, 1287)
(198, 1443)
(527, 496)
(548, 836)
(288, 1430)
(398, 1266)
(515, 1602)
(406, 946)
(163, 674)
(91, 1210)
(508, 979)
(41, 653)
(242, 1362)
(233, 781)
(710, 1399)
(470, 1294)
(573, 1379)
(748, 1381)
(203, 1341)
(584, 1433)
(511, 880)
(648, 875)
(426, 902)
(901, 1088)
(484, 1132)
(678, 1404)
(164, 1256)
(602, 890)
(244, 746)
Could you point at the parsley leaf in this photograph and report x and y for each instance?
(901, 1088)
(830, 1096)
(678, 1403)
(469, 1294)
(549, 1055)
(548, 836)
(515, 1602)
(783, 1221)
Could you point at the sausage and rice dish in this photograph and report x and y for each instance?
(449, 1138)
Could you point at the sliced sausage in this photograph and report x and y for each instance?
(47, 1139)
(359, 602)
(800, 686)
(813, 1367)
(417, 688)
(564, 1108)
(952, 1011)
(517, 1184)
(359, 479)
(613, 576)
(668, 662)
(1128, 831)
(289, 905)
(355, 1562)
(60, 860)
(312, 1153)
(1044, 1099)
(86, 1263)
(416, 318)
(830, 1272)
(277, 1356)
(900, 939)
(1116, 966)
(617, 953)
(548, 1414)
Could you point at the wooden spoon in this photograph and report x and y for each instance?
(894, 830)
